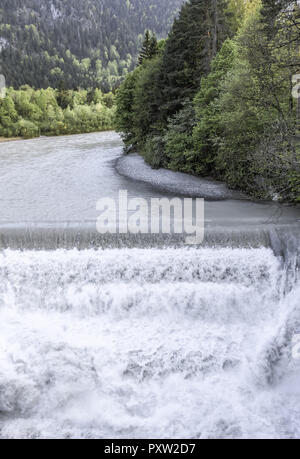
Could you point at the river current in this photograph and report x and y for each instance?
(141, 337)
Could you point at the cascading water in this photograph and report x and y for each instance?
(143, 337)
(146, 343)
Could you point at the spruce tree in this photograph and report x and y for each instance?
(149, 48)
(197, 35)
(42, 42)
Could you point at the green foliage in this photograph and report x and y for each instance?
(194, 40)
(28, 113)
(179, 144)
(138, 107)
(208, 110)
(218, 99)
(149, 48)
(8, 116)
(154, 151)
(64, 97)
(146, 103)
(26, 129)
(164, 84)
(125, 117)
(256, 102)
(85, 44)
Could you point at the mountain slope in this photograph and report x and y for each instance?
(90, 43)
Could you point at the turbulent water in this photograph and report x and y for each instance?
(153, 340)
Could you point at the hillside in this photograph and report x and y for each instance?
(217, 100)
(82, 44)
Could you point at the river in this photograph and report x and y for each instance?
(141, 337)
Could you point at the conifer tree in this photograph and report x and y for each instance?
(149, 48)
(88, 44)
(197, 35)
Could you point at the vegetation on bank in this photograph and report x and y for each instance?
(8, 139)
(30, 113)
(216, 98)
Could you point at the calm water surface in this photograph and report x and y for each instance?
(60, 180)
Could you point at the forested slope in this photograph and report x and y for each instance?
(85, 44)
(219, 100)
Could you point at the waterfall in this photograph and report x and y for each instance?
(141, 342)
(141, 336)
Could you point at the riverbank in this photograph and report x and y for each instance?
(134, 167)
(77, 171)
(55, 112)
(9, 139)
(14, 139)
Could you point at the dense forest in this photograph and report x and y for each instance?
(30, 113)
(86, 44)
(217, 97)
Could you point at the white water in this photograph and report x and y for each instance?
(146, 343)
(143, 342)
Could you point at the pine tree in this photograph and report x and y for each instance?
(149, 48)
(168, 84)
(197, 35)
(153, 49)
(39, 49)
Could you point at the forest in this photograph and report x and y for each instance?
(30, 113)
(84, 44)
(219, 97)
